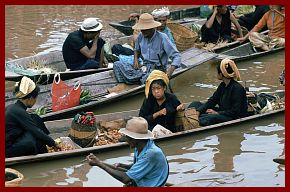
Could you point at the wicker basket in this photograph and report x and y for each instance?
(17, 182)
(183, 36)
(83, 134)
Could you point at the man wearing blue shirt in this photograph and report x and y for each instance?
(155, 49)
(150, 167)
(161, 15)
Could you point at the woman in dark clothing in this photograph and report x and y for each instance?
(251, 19)
(159, 107)
(230, 97)
(26, 133)
(218, 25)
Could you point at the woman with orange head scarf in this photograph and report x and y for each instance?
(159, 107)
(228, 102)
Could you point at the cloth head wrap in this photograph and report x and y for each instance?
(224, 65)
(26, 87)
(155, 75)
(163, 12)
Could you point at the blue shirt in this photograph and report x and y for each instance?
(150, 168)
(168, 32)
(158, 43)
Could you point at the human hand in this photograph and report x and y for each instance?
(211, 111)
(180, 107)
(136, 65)
(93, 160)
(162, 112)
(241, 39)
(215, 10)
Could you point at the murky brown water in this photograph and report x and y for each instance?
(239, 155)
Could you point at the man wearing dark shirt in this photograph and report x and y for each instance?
(84, 49)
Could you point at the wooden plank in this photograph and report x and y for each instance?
(194, 56)
(245, 52)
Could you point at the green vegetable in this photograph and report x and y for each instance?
(41, 110)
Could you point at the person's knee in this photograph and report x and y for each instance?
(195, 104)
(203, 121)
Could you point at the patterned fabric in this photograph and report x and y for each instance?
(125, 73)
(259, 40)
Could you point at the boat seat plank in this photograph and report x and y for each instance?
(194, 56)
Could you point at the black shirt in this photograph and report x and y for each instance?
(218, 30)
(18, 121)
(150, 106)
(71, 49)
(251, 19)
(231, 100)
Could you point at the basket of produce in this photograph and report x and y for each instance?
(83, 129)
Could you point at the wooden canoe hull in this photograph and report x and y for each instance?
(55, 61)
(245, 52)
(100, 83)
(61, 127)
(179, 16)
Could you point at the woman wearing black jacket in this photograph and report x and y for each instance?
(159, 107)
(25, 133)
(228, 102)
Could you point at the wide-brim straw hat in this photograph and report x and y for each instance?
(91, 24)
(146, 21)
(137, 128)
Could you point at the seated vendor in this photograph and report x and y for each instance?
(159, 107)
(228, 102)
(25, 133)
(218, 25)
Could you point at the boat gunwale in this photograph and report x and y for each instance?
(76, 152)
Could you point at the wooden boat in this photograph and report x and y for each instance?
(180, 16)
(15, 69)
(53, 60)
(104, 87)
(245, 52)
(60, 128)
